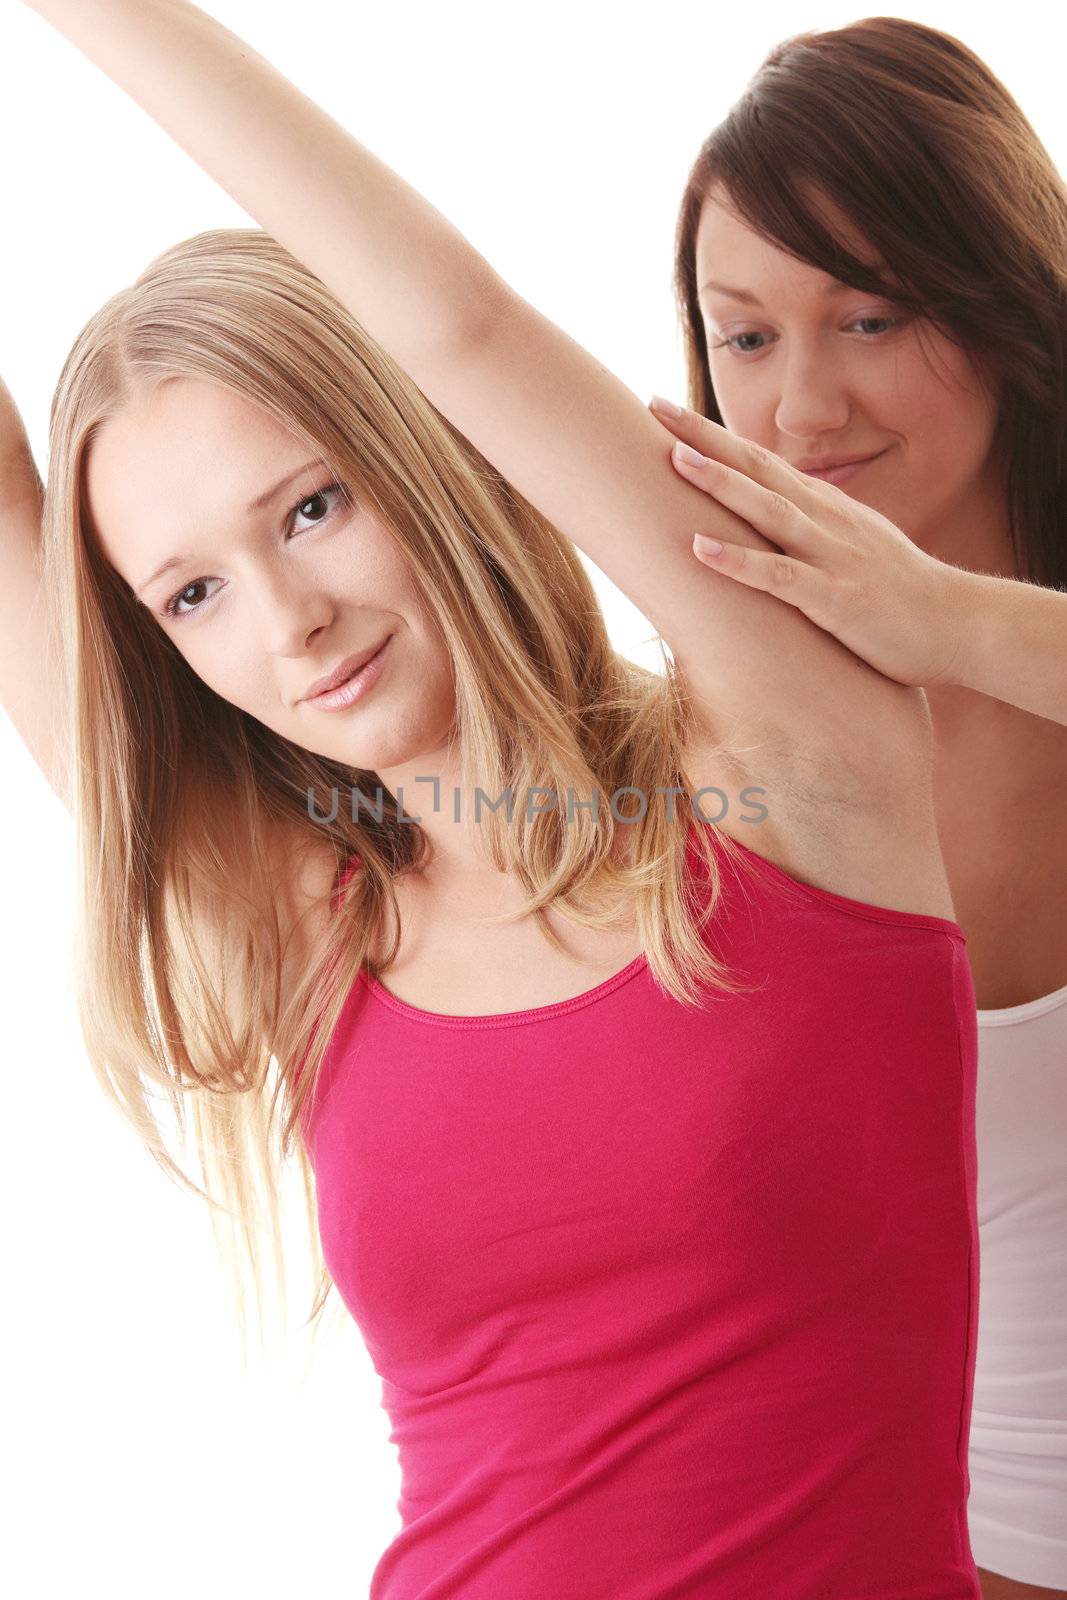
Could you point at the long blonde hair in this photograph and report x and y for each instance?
(178, 793)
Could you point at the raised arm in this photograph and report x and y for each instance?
(29, 682)
(572, 438)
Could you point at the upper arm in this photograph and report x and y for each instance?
(31, 690)
(583, 448)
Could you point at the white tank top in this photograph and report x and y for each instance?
(1017, 1510)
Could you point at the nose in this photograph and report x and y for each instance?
(813, 398)
(289, 614)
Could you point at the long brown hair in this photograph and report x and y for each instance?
(915, 141)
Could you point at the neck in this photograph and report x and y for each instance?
(427, 788)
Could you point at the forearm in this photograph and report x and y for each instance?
(409, 276)
(1016, 646)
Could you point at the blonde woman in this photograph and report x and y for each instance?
(660, 1230)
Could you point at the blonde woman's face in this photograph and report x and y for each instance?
(277, 577)
(812, 369)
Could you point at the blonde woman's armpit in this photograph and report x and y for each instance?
(868, 835)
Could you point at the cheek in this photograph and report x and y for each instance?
(946, 419)
(747, 407)
(227, 664)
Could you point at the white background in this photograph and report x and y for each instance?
(141, 1458)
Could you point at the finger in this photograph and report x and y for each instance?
(770, 512)
(770, 571)
(718, 443)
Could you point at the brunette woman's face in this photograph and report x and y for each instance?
(812, 369)
(276, 576)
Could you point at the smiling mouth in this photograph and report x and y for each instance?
(843, 466)
(353, 687)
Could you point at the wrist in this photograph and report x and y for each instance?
(983, 600)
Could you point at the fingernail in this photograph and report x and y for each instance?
(706, 546)
(668, 407)
(685, 452)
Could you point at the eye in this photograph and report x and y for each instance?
(889, 324)
(730, 342)
(315, 507)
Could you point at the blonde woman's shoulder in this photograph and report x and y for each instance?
(304, 869)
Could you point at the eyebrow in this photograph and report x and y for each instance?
(827, 291)
(255, 505)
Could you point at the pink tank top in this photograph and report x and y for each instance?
(671, 1302)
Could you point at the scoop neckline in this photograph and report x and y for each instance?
(500, 1019)
(1000, 1016)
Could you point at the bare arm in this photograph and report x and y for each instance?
(29, 682)
(1016, 646)
(918, 620)
(567, 433)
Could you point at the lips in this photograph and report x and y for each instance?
(348, 668)
(830, 463)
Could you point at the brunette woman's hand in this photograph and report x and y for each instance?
(848, 568)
